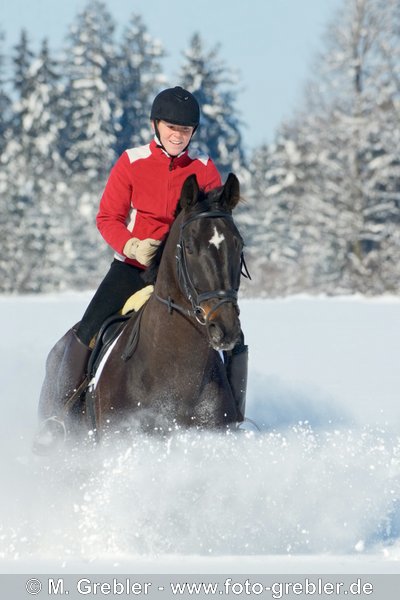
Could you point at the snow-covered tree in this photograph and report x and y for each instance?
(5, 119)
(33, 175)
(51, 213)
(16, 180)
(139, 78)
(205, 74)
(288, 245)
(22, 60)
(331, 180)
(354, 131)
(385, 167)
(92, 110)
(39, 114)
(5, 101)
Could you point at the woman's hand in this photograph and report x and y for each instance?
(141, 250)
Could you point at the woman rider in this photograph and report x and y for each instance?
(136, 211)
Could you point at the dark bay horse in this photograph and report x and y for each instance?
(176, 376)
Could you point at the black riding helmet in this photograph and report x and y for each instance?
(176, 106)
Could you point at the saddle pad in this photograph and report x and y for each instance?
(95, 378)
(137, 300)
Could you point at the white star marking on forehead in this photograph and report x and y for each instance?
(217, 238)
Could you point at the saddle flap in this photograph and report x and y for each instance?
(107, 334)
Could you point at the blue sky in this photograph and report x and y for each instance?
(271, 43)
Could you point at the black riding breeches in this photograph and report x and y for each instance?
(121, 281)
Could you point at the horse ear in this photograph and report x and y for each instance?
(190, 191)
(231, 192)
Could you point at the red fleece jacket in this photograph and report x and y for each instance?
(142, 193)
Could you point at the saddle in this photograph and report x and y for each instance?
(113, 326)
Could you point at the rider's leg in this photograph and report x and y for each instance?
(121, 281)
(236, 363)
(67, 362)
(65, 371)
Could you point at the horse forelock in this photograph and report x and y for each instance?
(207, 201)
(213, 200)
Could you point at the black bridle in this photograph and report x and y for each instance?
(186, 284)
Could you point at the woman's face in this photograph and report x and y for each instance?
(174, 138)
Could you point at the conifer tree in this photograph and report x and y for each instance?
(353, 132)
(92, 111)
(285, 204)
(331, 213)
(5, 119)
(34, 174)
(17, 182)
(139, 78)
(5, 101)
(205, 75)
(92, 108)
(51, 212)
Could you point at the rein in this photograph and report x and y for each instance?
(185, 282)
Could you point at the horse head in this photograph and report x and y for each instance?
(209, 258)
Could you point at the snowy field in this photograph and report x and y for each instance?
(317, 490)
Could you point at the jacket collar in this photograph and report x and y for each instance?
(158, 151)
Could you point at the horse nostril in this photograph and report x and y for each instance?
(216, 332)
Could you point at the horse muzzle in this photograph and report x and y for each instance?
(223, 327)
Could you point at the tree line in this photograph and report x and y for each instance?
(327, 190)
(322, 201)
(64, 121)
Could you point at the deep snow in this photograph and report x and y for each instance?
(317, 490)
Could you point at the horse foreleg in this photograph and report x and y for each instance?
(216, 405)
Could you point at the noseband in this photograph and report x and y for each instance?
(186, 284)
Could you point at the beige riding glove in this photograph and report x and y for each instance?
(141, 250)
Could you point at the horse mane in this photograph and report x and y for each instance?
(149, 275)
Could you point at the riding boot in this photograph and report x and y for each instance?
(65, 371)
(236, 369)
